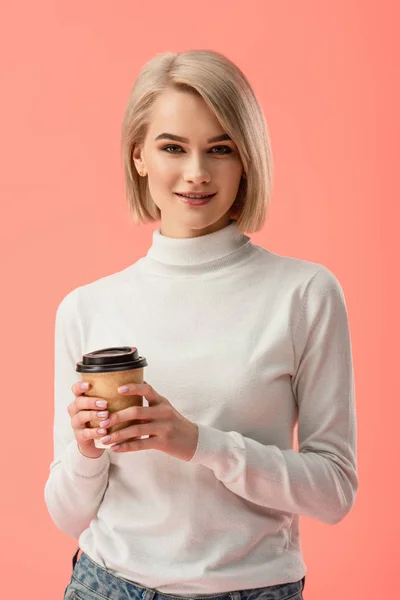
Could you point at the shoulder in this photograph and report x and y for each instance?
(300, 274)
(93, 292)
(108, 284)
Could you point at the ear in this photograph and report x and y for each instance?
(137, 159)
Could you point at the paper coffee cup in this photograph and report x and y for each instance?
(106, 370)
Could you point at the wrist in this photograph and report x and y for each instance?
(92, 453)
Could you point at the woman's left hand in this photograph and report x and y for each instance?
(169, 431)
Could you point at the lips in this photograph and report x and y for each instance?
(196, 202)
(203, 196)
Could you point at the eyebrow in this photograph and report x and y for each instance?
(177, 138)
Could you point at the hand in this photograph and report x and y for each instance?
(169, 431)
(82, 410)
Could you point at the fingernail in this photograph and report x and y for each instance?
(101, 403)
(84, 385)
(123, 388)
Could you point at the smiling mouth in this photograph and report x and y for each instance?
(194, 197)
(196, 202)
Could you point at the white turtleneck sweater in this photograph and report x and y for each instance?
(249, 345)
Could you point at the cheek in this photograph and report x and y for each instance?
(231, 179)
(162, 168)
(230, 170)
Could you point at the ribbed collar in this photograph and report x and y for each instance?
(198, 250)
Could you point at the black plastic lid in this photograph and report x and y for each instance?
(117, 358)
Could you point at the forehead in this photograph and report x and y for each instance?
(183, 113)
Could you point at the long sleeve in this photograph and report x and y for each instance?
(76, 483)
(320, 481)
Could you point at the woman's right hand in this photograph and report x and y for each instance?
(82, 410)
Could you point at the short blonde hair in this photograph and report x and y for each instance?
(227, 92)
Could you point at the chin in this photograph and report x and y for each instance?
(208, 221)
(200, 222)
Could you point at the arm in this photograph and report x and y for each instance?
(320, 481)
(76, 484)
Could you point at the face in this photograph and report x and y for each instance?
(195, 165)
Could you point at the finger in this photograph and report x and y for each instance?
(77, 388)
(88, 433)
(72, 409)
(90, 403)
(132, 431)
(134, 445)
(134, 413)
(79, 420)
(86, 403)
(142, 389)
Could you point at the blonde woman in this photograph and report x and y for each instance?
(203, 497)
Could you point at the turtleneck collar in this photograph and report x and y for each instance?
(198, 250)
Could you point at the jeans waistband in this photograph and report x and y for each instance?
(97, 580)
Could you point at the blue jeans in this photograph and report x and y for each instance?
(89, 581)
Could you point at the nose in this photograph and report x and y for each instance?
(196, 172)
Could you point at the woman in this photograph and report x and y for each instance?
(242, 344)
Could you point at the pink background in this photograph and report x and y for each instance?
(327, 77)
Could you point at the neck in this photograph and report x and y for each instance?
(199, 253)
(173, 231)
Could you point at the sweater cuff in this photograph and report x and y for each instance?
(78, 465)
(214, 447)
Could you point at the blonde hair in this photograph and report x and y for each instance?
(228, 94)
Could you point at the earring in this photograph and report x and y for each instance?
(142, 173)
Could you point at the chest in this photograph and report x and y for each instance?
(225, 364)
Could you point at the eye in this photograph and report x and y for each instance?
(170, 146)
(229, 150)
(222, 147)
